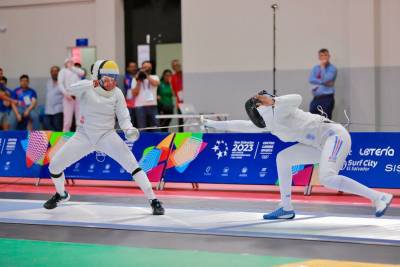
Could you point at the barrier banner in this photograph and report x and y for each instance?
(229, 158)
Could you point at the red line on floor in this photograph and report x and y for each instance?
(320, 195)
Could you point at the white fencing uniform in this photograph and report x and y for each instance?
(319, 141)
(96, 133)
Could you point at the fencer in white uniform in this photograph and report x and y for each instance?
(319, 141)
(101, 101)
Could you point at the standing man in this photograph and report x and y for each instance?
(131, 70)
(145, 92)
(53, 119)
(323, 77)
(130, 74)
(66, 77)
(177, 86)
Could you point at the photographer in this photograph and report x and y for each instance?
(145, 91)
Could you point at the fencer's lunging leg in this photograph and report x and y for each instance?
(74, 149)
(285, 160)
(59, 182)
(116, 148)
(142, 180)
(334, 153)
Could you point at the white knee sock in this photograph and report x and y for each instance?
(144, 184)
(285, 184)
(348, 185)
(59, 183)
(285, 187)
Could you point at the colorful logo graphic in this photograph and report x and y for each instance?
(177, 150)
(40, 146)
(220, 148)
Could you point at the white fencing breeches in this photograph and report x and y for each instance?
(331, 159)
(79, 145)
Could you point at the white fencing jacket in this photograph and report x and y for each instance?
(99, 108)
(286, 121)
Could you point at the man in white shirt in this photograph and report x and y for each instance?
(145, 92)
(66, 77)
(53, 119)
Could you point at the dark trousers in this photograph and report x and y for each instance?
(146, 117)
(326, 102)
(165, 110)
(180, 121)
(133, 116)
(53, 122)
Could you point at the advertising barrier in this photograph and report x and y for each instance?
(228, 158)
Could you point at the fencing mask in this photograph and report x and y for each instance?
(251, 110)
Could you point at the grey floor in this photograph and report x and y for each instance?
(205, 242)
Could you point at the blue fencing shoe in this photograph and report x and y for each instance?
(279, 214)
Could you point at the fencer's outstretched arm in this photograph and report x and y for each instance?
(80, 87)
(242, 126)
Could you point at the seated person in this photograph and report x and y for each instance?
(24, 113)
(5, 103)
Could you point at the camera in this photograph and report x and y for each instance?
(141, 76)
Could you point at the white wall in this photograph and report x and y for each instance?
(39, 32)
(227, 52)
(388, 83)
(236, 35)
(37, 36)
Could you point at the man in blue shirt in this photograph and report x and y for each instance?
(323, 77)
(25, 111)
(130, 74)
(5, 103)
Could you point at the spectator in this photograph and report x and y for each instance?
(3, 80)
(131, 71)
(79, 66)
(145, 90)
(177, 86)
(53, 118)
(24, 113)
(5, 103)
(323, 77)
(66, 77)
(164, 98)
(1, 73)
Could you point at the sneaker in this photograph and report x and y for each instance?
(279, 214)
(157, 207)
(382, 204)
(55, 200)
